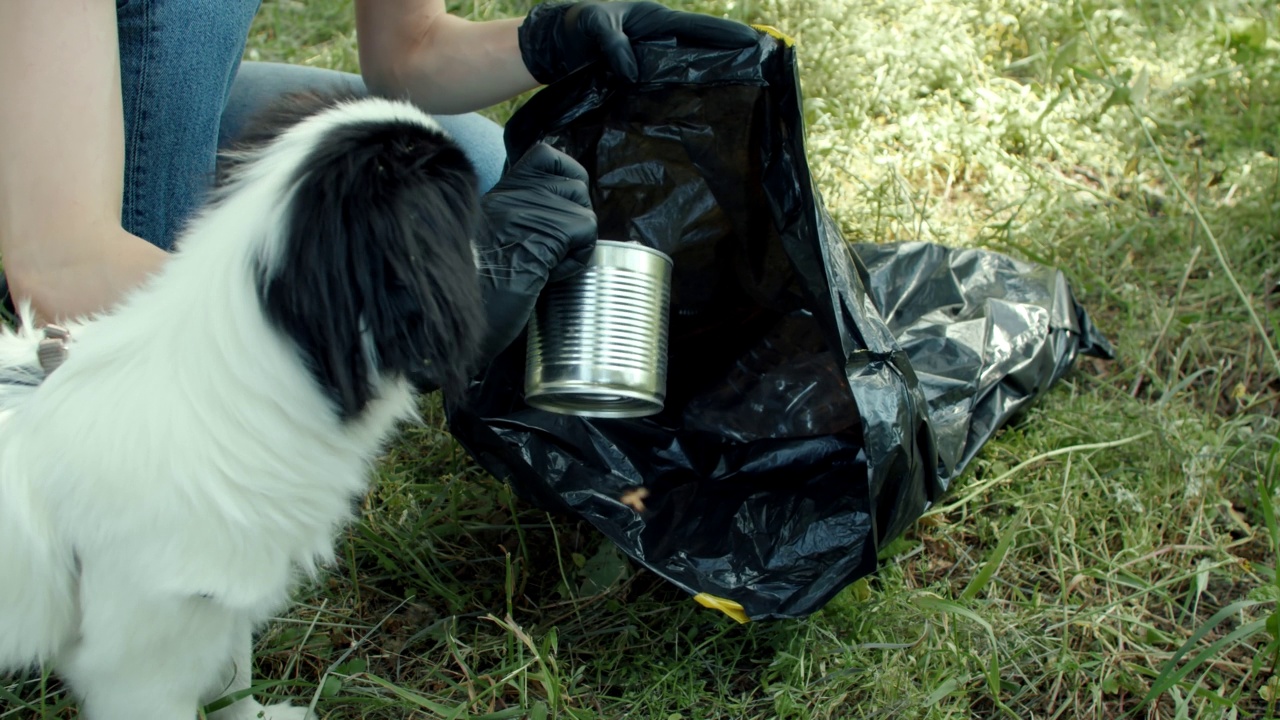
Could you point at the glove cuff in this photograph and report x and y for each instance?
(543, 42)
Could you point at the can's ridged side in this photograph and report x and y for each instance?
(598, 341)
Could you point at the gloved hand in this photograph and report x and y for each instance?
(540, 228)
(558, 38)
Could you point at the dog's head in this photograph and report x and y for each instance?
(368, 266)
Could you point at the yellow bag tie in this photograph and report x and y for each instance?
(728, 607)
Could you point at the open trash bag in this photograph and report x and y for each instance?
(820, 394)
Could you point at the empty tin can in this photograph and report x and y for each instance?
(598, 340)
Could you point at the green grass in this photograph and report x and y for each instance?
(1112, 552)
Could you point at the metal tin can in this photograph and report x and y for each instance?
(598, 340)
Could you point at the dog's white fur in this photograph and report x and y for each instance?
(162, 489)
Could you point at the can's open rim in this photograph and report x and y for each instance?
(633, 245)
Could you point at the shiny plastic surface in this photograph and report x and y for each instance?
(820, 394)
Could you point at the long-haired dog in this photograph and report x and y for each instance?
(202, 443)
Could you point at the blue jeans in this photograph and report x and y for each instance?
(186, 94)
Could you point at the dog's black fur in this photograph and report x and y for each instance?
(378, 265)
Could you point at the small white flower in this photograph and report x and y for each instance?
(1199, 469)
(1126, 498)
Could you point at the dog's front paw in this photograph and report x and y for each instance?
(285, 711)
(282, 711)
(251, 710)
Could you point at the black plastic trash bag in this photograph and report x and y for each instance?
(820, 395)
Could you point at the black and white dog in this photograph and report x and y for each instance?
(203, 442)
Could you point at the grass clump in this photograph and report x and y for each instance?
(1110, 554)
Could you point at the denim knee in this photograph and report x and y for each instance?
(259, 83)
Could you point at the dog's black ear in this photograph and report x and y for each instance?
(376, 277)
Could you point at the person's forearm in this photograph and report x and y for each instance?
(442, 63)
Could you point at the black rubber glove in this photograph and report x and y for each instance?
(558, 38)
(540, 228)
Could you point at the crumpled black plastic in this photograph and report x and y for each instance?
(820, 394)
